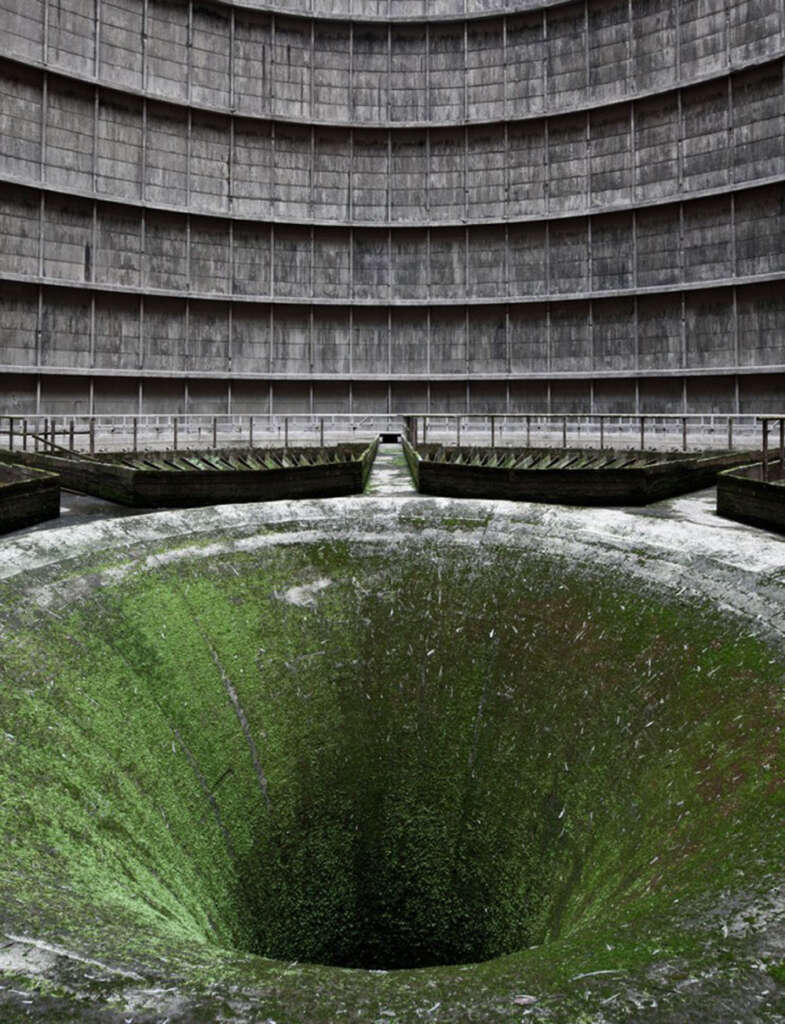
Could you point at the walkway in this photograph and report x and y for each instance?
(390, 476)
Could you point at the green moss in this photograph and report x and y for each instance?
(443, 758)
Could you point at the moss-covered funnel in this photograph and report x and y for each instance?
(493, 780)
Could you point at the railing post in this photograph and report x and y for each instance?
(135, 441)
(285, 433)
(493, 431)
(24, 435)
(174, 433)
(684, 433)
(215, 431)
(71, 436)
(765, 446)
(602, 432)
(10, 433)
(45, 433)
(321, 432)
(92, 435)
(528, 431)
(250, 431)
(424, 429)
(730, 433)
(564, 432)
(782, 445)
(458, 431)
(643, 432)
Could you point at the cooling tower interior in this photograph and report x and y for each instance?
(392, 205)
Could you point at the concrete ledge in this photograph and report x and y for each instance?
(186, 479)
(568, 476)
(743, 495)
(27, 496)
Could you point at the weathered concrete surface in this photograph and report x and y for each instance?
(743, 495)
(581, 208)
(27, 496)
(676, 546)
(565, 476)
(188, 478)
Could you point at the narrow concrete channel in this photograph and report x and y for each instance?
(390, 476)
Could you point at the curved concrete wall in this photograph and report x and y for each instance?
(569, 207)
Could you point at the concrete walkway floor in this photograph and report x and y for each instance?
(390, 476)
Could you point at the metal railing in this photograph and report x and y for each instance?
(587, 430)
(172, 431)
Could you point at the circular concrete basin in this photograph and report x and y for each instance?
(398, 760)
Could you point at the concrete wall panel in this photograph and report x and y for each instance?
(252, 63)
(164, 334)
(20, 123)
(65, 330)
(68, 240)
(370, 342)
(166, 252)
(331, 179)
(529, 339)
(612, 255)
(119, 147)
(370, 81)
(332, 263)
(209, 165)
(166, 49)
(709, 329)
(409, 265)
(210, 270)
(117, 332)
(408, 341)
(331, 341)
(251, 340)
(292, 264)
(488, 347)
(613, 335)
(708, 240)
(660, 342)
(485, 71)
(210, 56)
(71, 36)
(408, 64)
(18, 325)
(658, 243)
(291, 352)
(69, 137)
(448, 341)
(120, 55)
(761, 312)
(19, 225)
(166, 156)
(23, 23)
(486, 266)
(208, 337)
(610, 43)
(252, 266)
(760, 229)
(528, 259)
(570, 338)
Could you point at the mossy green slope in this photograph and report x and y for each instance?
(388, 756)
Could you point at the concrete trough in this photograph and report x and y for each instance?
(568, 476)
(27, 496)
(185, 479)
(743, 495)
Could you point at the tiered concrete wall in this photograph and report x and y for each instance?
(571, 207)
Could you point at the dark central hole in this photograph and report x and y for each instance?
(452, 744)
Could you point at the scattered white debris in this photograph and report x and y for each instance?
(304, 596)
